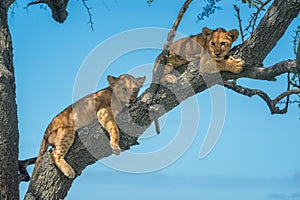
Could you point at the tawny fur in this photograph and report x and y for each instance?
(103, 105)
(210, 47)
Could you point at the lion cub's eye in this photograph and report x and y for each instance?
(213, 44)
(223, 43)
(125, 90)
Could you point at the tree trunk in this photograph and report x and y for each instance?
(9, 136)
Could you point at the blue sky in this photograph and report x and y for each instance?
(256, 156)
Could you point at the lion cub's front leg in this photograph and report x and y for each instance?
(232, 65)
(107, 120)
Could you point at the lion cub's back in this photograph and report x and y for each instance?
(81, 113)
(189, 46)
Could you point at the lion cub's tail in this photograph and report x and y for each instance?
(43, 149)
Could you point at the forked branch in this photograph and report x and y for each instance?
(255, 15)
(272, 103)
(238, 15)
(169, 41)
(23, 173)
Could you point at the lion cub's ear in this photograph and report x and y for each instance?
(233, 34)
(141, 81)
(112, 80)
(207, 32)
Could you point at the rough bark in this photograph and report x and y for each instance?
(49, 183)
(278, 17)
(9, 136)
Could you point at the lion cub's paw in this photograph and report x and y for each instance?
(169, 78)
(68, 172)
(115, 148)
(236, 64)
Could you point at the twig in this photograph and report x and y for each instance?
(288, 89)
(23, 174)
(291, 101)
(254, 16)
(271, 103)
(165, 53)
(168, 43)
(298, 61)
(35, 2)
(91, 23)
(237, 9)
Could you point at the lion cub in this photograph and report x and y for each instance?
(210, 47)
(103, 105)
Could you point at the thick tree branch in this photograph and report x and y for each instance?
(255, 15)
(58, 8)
(278, 16)
(269, 73)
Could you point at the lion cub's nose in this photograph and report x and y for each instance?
(132, 99)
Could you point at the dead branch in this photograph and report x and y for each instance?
(35, 2)
(169, 41)
(271, 103)
(23, 174)
(165, 53)
(255, 15)
(91, 23)
(237, 9)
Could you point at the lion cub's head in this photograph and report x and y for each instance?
(125, 87)
(218, 42)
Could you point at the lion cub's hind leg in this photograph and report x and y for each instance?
(62, 140)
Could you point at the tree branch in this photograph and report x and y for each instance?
(266, 73)
(280, 14)
(272, 104)
(165, 53)
(58, 8)
(23, 174)
(91, 23)
(237, 9)
(254, 17)
(169, 41)
(298, 60)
